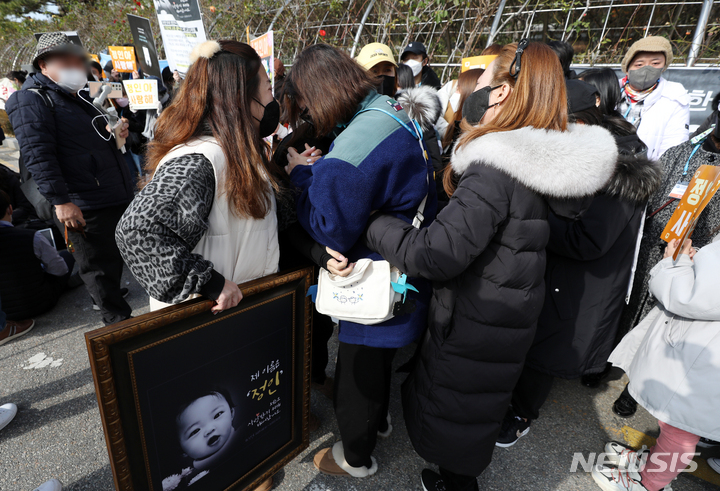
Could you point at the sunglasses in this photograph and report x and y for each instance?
(515, 67)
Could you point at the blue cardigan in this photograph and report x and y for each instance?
(375, 164)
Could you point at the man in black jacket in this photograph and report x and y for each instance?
(415, 56)
(72, 155)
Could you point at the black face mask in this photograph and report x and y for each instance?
(477, 104)
(387, 87)
(270, 119)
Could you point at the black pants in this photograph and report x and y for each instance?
(362, 396)
(458, 482)
(100, 262)
(322, 331)
(531, 392)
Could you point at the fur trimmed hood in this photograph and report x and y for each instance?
(636, 177)
(422, 104)
(558, 164)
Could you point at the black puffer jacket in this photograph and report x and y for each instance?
(68, 158)
(588, 270)
(486, 254)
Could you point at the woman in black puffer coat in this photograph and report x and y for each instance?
(485, 253)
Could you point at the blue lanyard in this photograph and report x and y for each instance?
(687, 164)
(697, 141)
(417, 133)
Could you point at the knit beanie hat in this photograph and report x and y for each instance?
(652, 44)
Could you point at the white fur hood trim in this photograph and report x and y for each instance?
(574, 163)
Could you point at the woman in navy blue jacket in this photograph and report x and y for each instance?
(374, 163)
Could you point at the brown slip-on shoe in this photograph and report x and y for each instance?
(266, 485)
(325, 463)
(15, 329)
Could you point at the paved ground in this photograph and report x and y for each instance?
(58, 433)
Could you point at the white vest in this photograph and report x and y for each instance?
(241, 249)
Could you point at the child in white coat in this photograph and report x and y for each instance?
(673, 360)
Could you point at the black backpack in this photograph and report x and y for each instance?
(42, 206)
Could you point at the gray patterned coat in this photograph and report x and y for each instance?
(652, 247)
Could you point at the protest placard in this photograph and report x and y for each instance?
(123, 58)
(181, 28)
(476, 62)
(702, 188)
(144, 45)
(265, 50)
(142, 94)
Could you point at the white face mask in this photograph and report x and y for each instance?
(122, 101)
(415, 66)
(71, 79)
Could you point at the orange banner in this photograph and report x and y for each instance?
(123, 58)
(700, 191)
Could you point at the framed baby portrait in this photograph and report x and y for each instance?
(195, 401)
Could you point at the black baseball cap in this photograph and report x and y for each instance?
(414, 47)
(581, 95)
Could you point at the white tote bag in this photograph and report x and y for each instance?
(366, 296)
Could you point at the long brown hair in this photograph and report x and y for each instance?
(538, 97)
(329, 84)
(466, 83)
(215, 100)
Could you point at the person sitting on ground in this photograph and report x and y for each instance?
(415, 56)
(659, 109)
(10, 330)
(34, 273)
(673, 360)
(565, 53)
(22, 208)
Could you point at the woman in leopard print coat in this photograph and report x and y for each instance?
(207, 219)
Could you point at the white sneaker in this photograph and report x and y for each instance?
(613, 479)
(7, 414)
(714, 464)
(624, 457)
(51, 485)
